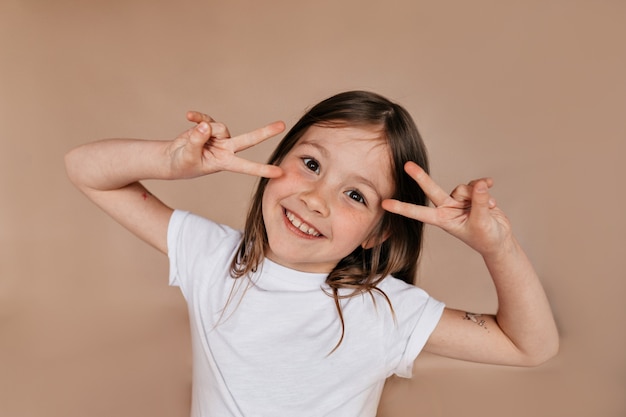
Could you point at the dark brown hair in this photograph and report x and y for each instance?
(400, 237)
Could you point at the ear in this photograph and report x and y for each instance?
(375, 240)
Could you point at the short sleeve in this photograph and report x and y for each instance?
(198, 248)
(428, 319)
(416, 316)
(174, 237)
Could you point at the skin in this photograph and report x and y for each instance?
(329, 184)
(522, 332)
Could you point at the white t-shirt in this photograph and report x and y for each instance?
(261, 345)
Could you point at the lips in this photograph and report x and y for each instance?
(300, 225)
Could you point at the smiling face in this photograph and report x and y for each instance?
(328, 201)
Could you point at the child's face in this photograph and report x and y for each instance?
(328, 201)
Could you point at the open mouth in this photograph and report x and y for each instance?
(300, 225)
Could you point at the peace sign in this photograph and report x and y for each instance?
(208, 147)
(469, 213)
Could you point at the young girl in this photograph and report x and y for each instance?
(309, 309)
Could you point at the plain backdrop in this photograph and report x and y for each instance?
(532, 93)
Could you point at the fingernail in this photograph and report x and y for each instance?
(203, 127)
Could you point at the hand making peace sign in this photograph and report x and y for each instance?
(469, 213)
(208, 147)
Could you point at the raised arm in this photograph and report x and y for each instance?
(109, 171)
(523, 331)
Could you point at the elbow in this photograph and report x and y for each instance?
(548, 351)
(538, 360)
(69, 164)
(72, 161)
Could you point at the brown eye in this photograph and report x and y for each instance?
(356, 196)
(312, 164)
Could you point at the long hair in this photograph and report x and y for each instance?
(400, 238)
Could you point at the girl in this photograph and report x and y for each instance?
(311, 307)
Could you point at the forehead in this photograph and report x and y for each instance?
(366, 135)
(355, 151)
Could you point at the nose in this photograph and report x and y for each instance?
(315, 201)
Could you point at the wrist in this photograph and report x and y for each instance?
(508, 247)
(164, 161)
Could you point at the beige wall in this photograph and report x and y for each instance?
(532, 93)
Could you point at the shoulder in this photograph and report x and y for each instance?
(408, 299)
(415, 315)
(198, 247)
(195, 233)
(395, 287)
(193, 224)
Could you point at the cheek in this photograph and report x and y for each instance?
(267, 192)
(269, 199)
(373, 223)
(276, 190)
(357, 225)
(272, 190)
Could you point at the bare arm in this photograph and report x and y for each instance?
(109, 171)
(523, 331)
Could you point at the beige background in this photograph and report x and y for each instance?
(532, 93)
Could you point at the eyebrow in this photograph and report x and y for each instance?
(317, 146)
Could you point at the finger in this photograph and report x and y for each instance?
(433, 191)
(199, 135)
(462, 193)
(487, 180)
(245, 166)
(197, 117)
(480, 201)
(257, 136)
(413, 211)
(219, 130)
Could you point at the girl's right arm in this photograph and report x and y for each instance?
(109, 171)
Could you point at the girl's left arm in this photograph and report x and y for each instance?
(523, 331)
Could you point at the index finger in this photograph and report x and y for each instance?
(412, 211)
(257, 136)
(433, 191)
(244, 166)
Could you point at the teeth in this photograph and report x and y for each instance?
(301, 225)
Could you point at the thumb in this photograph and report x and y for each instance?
(480, 200)
(200, 134)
